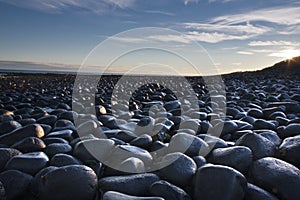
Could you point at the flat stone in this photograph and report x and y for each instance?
(29, 163)
(56, 148)
(60, 160)
(33, 130)
(29, 144)
(138, 185)
(93, 149)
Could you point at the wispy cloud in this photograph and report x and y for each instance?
(214, 32)
(247, 25)
(128, 39)
(273, 43)
(279, 15)
(170, 38)
(245, 52)
(209, 1)
(57, 6)
(159, 12)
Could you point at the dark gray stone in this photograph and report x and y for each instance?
(74, 182)
(29, 163)
(137, 185)
(168, 191)
(277, 177)
(215, 182)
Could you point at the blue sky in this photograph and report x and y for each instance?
(237, 34)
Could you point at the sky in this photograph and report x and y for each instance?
(234, 35)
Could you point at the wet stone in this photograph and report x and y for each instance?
(277, 177)
(214, 182)
(29, 163)
(29, 144)
(138, 185)
(75, 182)
(15, 183)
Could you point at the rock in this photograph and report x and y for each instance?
(168, 191)
(63, 124)
(263, 124)
(137, 185)
(55, 148)
(8, 126)
(237, 157)
(29, 163)
(143, 141)
(74, 182)
(145, 126)
(52, 140)
(33, 130)
(188, 144)
(112, 195)
(60, 160)
(29, 144)
(49, 120)
(212, 141)
(290, 131)
(199, 160)
(6, 154)
(64, 134)
(191, 124)
(2, 191)
(219, 182)
(132, 165)
(16, 184)
(93, 149)
(254, 193)
(289, 150)
(122, 152)
(272, 136)
(254, 112)
(68, 115)
(260, 146)
(177, 168)
(36, 183)
(277, 177)
(228, 127)
(88, 127)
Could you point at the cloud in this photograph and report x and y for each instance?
(128, 39)
(247, 25)
(58, 6)
(209, 1)
(273, 43)
(286, 53)
(159, 12)
(170, 38)
(214, 32)
(277, 15)
(245, 52)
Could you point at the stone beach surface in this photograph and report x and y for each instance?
(57, 146)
